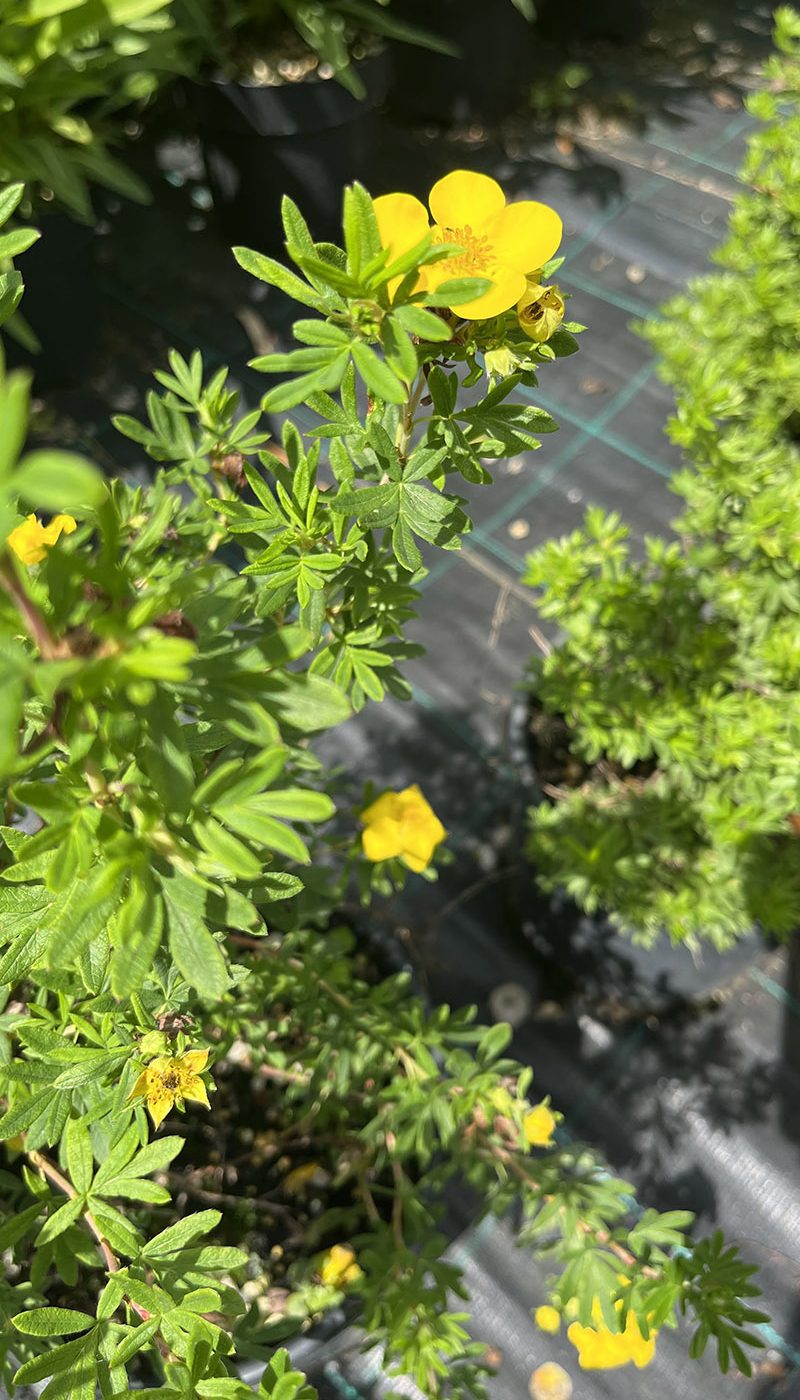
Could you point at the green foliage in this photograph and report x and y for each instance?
(13, 242)
(173, 864)
(65, 67)
(678, 674)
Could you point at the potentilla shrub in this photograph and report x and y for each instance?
(678, 676)
(173, 868)
(67, 67)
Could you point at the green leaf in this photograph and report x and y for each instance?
(164, 1246)
(197, 955)
(298, 804)
(268, 270)
(295, 391)
(458, 291)
(250, 822)
(361, 234)
(16, 242)
(424, 324)
(137, 1338)
(82, 912)
(308, 703)
(226, 850)
(78, 1156)
(135, 933)
(164, 758)
(18, 1119)
(10, 197)
(52, 1322)
(376, 374)
(59, 481)
(58, 1222)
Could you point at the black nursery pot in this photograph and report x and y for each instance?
(617, 21)
(589, 961)
(60, 303)
(486, 79)
(306, 139)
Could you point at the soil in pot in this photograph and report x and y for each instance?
(299, 133)
(585, 958)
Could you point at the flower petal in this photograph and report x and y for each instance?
(506, 289)
(381, 840)
(194, 1090)
(194, 1061)
(159, 1103)
(525, 235)
(415, 862)
(402, 222)
(389, 804)
(465, 197)
(140, 1087)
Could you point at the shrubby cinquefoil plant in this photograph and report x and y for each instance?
(678, 674)
(172, 866)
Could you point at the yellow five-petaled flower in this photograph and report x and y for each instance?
(539, 1124)
(404, 826)
(338, 1267)
(170, 1079)
(31, 540)
(500, 242)
(600, 1349)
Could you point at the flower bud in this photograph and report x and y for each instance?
(500, 362)
(540, 311)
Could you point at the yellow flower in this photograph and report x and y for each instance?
(296, 1181)
(170, 1079)
(404, 825)
(501, 242)
(600, 1349)
(547, 1319)
(550, 1382)
(540, 311)
(31, 540)
(338, 1267)
(539, 1125)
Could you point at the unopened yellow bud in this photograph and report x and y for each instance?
(547, 1319)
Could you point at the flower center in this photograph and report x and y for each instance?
(171, 1079)
(477, 253)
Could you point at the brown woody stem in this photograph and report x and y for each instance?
(37, 628)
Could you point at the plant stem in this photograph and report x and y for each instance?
(50, 1170)
(407, 420)
(37, 628)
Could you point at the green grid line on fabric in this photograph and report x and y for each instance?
(697, 158)
(590, 426)
(621, 300)
(526, 493)
(615, 206)
(775, 990)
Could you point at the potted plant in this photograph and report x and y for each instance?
(670, 701)
(289, 104)
(172, 862)
(66, 70)
(482, 76)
